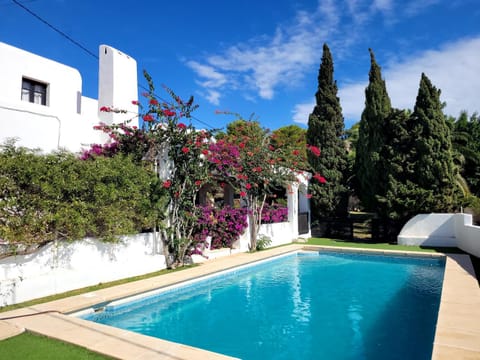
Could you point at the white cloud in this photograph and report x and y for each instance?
(263, 64)
(258, 67)
(302, 111)
(415, 7)
(454, 68)
(213, 78)
(383, 5)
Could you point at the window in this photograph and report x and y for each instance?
(34, 92)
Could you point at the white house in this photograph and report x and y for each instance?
(41, 102)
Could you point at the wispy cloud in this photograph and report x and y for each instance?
(211, 80)
(415, 7)
(454, 68)
(450, 69)
(258, 67)
(261, 65)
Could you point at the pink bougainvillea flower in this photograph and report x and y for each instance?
(153, 102)
(135, 102)
(205, 152)
(148, 118)
(185, 149)
(315, 150)
(242, 145)
(296, 152)
(198, 182)
(167, 184)
(181, 126)
(248, 186)
(319, 178)
(169, 113)
(105, 109)
(243, 193)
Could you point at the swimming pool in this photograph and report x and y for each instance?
(307, 305)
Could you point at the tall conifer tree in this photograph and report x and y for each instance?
(371, 138)
(433, 167)
(326, 131)
(397, 196)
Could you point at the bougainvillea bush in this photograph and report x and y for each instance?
(224, 226)
(188, 159)
(246, 157)
(274, 213)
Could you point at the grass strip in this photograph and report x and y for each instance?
(381, 246)
(32, 346)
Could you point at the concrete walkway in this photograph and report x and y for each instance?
(457, 333)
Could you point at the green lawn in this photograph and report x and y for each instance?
(380, 246)
(30, 346)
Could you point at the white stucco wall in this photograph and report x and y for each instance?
(60, 267)
(429, 230)
(468, 235)
(448, 230)
(67, 120)
(117, 85)
(64, 83)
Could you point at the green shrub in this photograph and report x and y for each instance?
(263, 242)
(58, 196)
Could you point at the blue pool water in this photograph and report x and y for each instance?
(301, 306)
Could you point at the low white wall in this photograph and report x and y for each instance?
(468, 235)
(64, 266)
(448, 230)
(279, 233)
(429, 230)
(60, 267)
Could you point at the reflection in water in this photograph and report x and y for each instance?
(301, 307)
(305, 306)
(355, 316)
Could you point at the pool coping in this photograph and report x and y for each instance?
(457, 333)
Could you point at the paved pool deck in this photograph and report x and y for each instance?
(457, 333)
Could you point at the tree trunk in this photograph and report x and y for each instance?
(253, 231)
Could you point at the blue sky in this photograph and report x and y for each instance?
(262, 56)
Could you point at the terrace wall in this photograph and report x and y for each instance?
(444, 230)
(62, 266)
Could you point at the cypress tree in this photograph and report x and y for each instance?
(397, 198)
(466, 144)
(434, 171)
(371, 138)
(326, 131)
